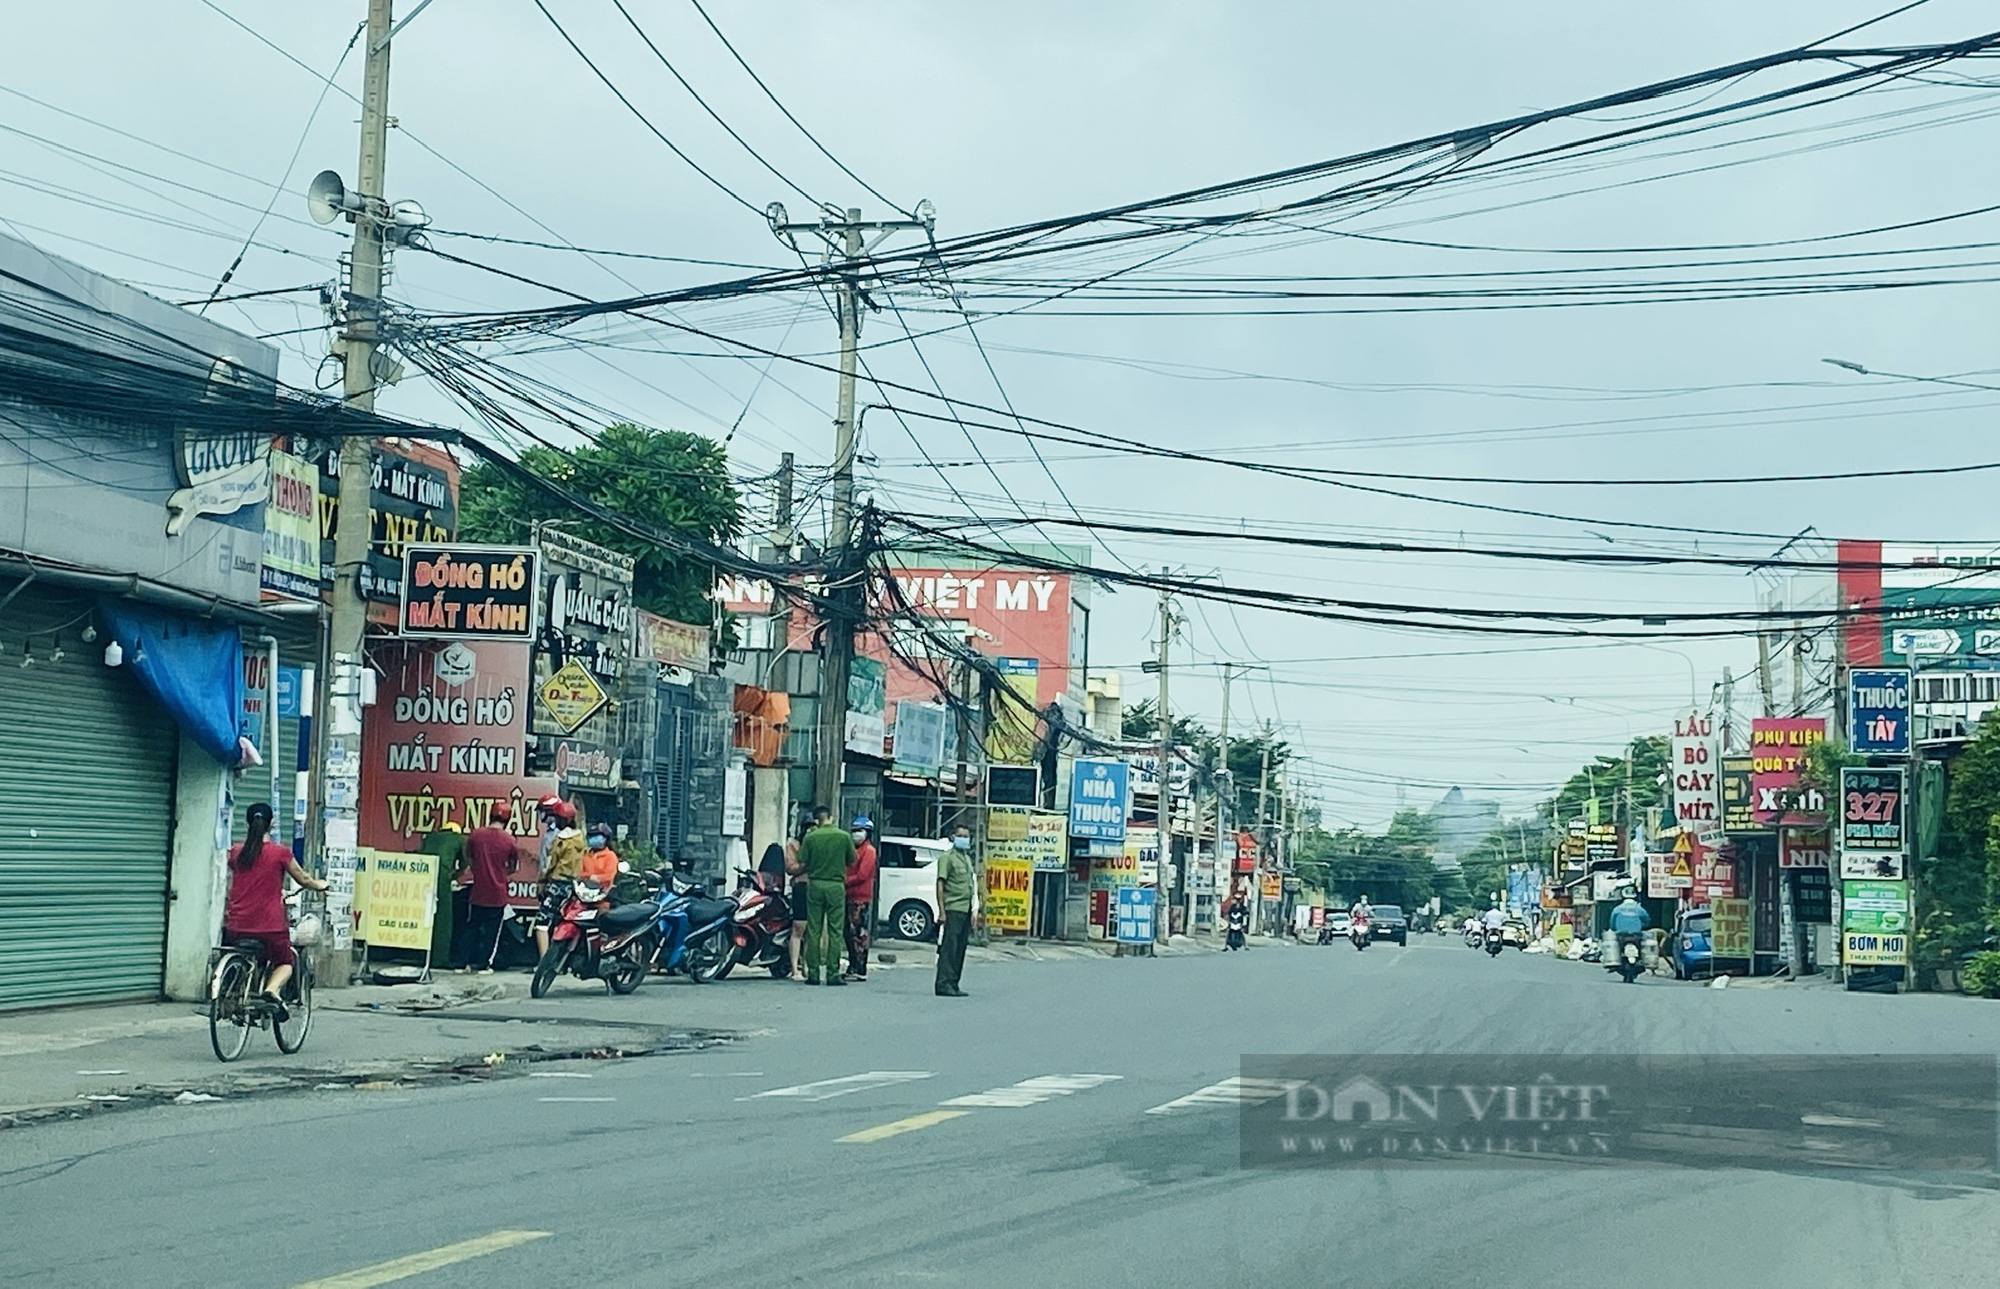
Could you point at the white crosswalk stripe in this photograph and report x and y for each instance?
(1034, 1091)
(1230, 1092)
(846, 1085)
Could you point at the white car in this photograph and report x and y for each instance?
(906, 886)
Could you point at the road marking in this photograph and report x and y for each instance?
(727, 1074)
(1034, 1091)
(557, 1074)
(577, 1100)
(882, 1131)
(847, 1085)
(1230, 1092)
(383, 1273)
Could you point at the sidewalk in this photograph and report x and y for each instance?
(68, 1062)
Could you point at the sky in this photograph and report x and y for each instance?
(147, 141)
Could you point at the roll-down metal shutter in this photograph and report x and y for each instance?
(87, 765)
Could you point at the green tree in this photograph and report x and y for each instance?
(662, 479)
(1393, 867)
(1959, 887)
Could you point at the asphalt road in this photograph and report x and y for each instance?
(838, 1146)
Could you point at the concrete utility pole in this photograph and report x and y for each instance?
(348, 624)
(844, 232)
(1162, 922)
(1728, 706)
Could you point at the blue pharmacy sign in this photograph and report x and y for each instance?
(1878, 711)
(1098, 791)
(1135, 914)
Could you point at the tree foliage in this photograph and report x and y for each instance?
(662, 478)
(1391, 867)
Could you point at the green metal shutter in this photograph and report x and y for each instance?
(87, 765)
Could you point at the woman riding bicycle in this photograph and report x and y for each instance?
(256, 907)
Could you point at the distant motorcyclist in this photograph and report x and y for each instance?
(1493, 919)
(1630, 917)
(1361, 910)
(1237, 921)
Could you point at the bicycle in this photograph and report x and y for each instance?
(236, 976)
(236, 1003)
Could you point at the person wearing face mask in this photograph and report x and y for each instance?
(958, 901)
(860, 897)
(600, 862)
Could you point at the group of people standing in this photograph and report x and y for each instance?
(833, 877)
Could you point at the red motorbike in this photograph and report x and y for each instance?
(760, 931)
(594, 941)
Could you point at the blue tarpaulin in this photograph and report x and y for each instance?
(194, 668)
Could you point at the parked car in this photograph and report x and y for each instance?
(906, 886)
(1338, 923)
(1515, 932)
(1386, 922)
(1688, 946)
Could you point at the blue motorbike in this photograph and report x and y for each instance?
(690, 930)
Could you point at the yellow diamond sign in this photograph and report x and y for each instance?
(570, 696)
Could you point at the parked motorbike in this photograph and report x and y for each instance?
(1358, 933)
(1631, 958)
(1494, 941)
(593, 941)
(760, 931)
(689, 931)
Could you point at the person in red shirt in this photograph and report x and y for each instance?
(491, 854)
(860, 898)
(255, 909)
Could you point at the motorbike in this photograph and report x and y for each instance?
(760, 931)
(593, 941)
(1358, 932)
(1631, 959)
(1475, 937)
(1495, 942)
(687, 931)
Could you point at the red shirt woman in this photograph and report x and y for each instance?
(255, 909)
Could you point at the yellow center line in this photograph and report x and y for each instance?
(417, 1263)
(901, 1126)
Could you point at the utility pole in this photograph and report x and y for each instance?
(1728, 707)
(1163, 920)
(1263, 820)
(844, 233)
(348, 622)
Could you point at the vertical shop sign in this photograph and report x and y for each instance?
(1697, 796)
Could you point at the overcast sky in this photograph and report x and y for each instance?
(1002, 113)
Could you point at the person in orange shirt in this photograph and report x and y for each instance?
(600, 862)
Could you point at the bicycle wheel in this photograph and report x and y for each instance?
(229, 1018)
(291, 1032)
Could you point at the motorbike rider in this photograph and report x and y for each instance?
(560, 869)
(1360, 910)
(1629, 920)
(1237, 920)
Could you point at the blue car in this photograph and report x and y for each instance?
(1689, 948)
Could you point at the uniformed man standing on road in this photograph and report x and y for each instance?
(958, 902)
(826, 854)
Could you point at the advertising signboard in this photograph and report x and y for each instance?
(1778, 747)
(1737, 797)
(867, 706)
(669, 643)
(1874, 923)
(1099, 789)
(1714, 876)
(1668, 873)
(1878, 711)
(1812, 895)
(291, 529)
(1804, 848)
(1941, 604)
(443, 744)
(1697, 796)
(919, 738)
(1013, 785)
(1730, 923)
(1010, 885)
(1135, 914)
(413, 497)
(1037, 839)
(1010, 733)
(399, 901)
(457, 592)
(1874, 822)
